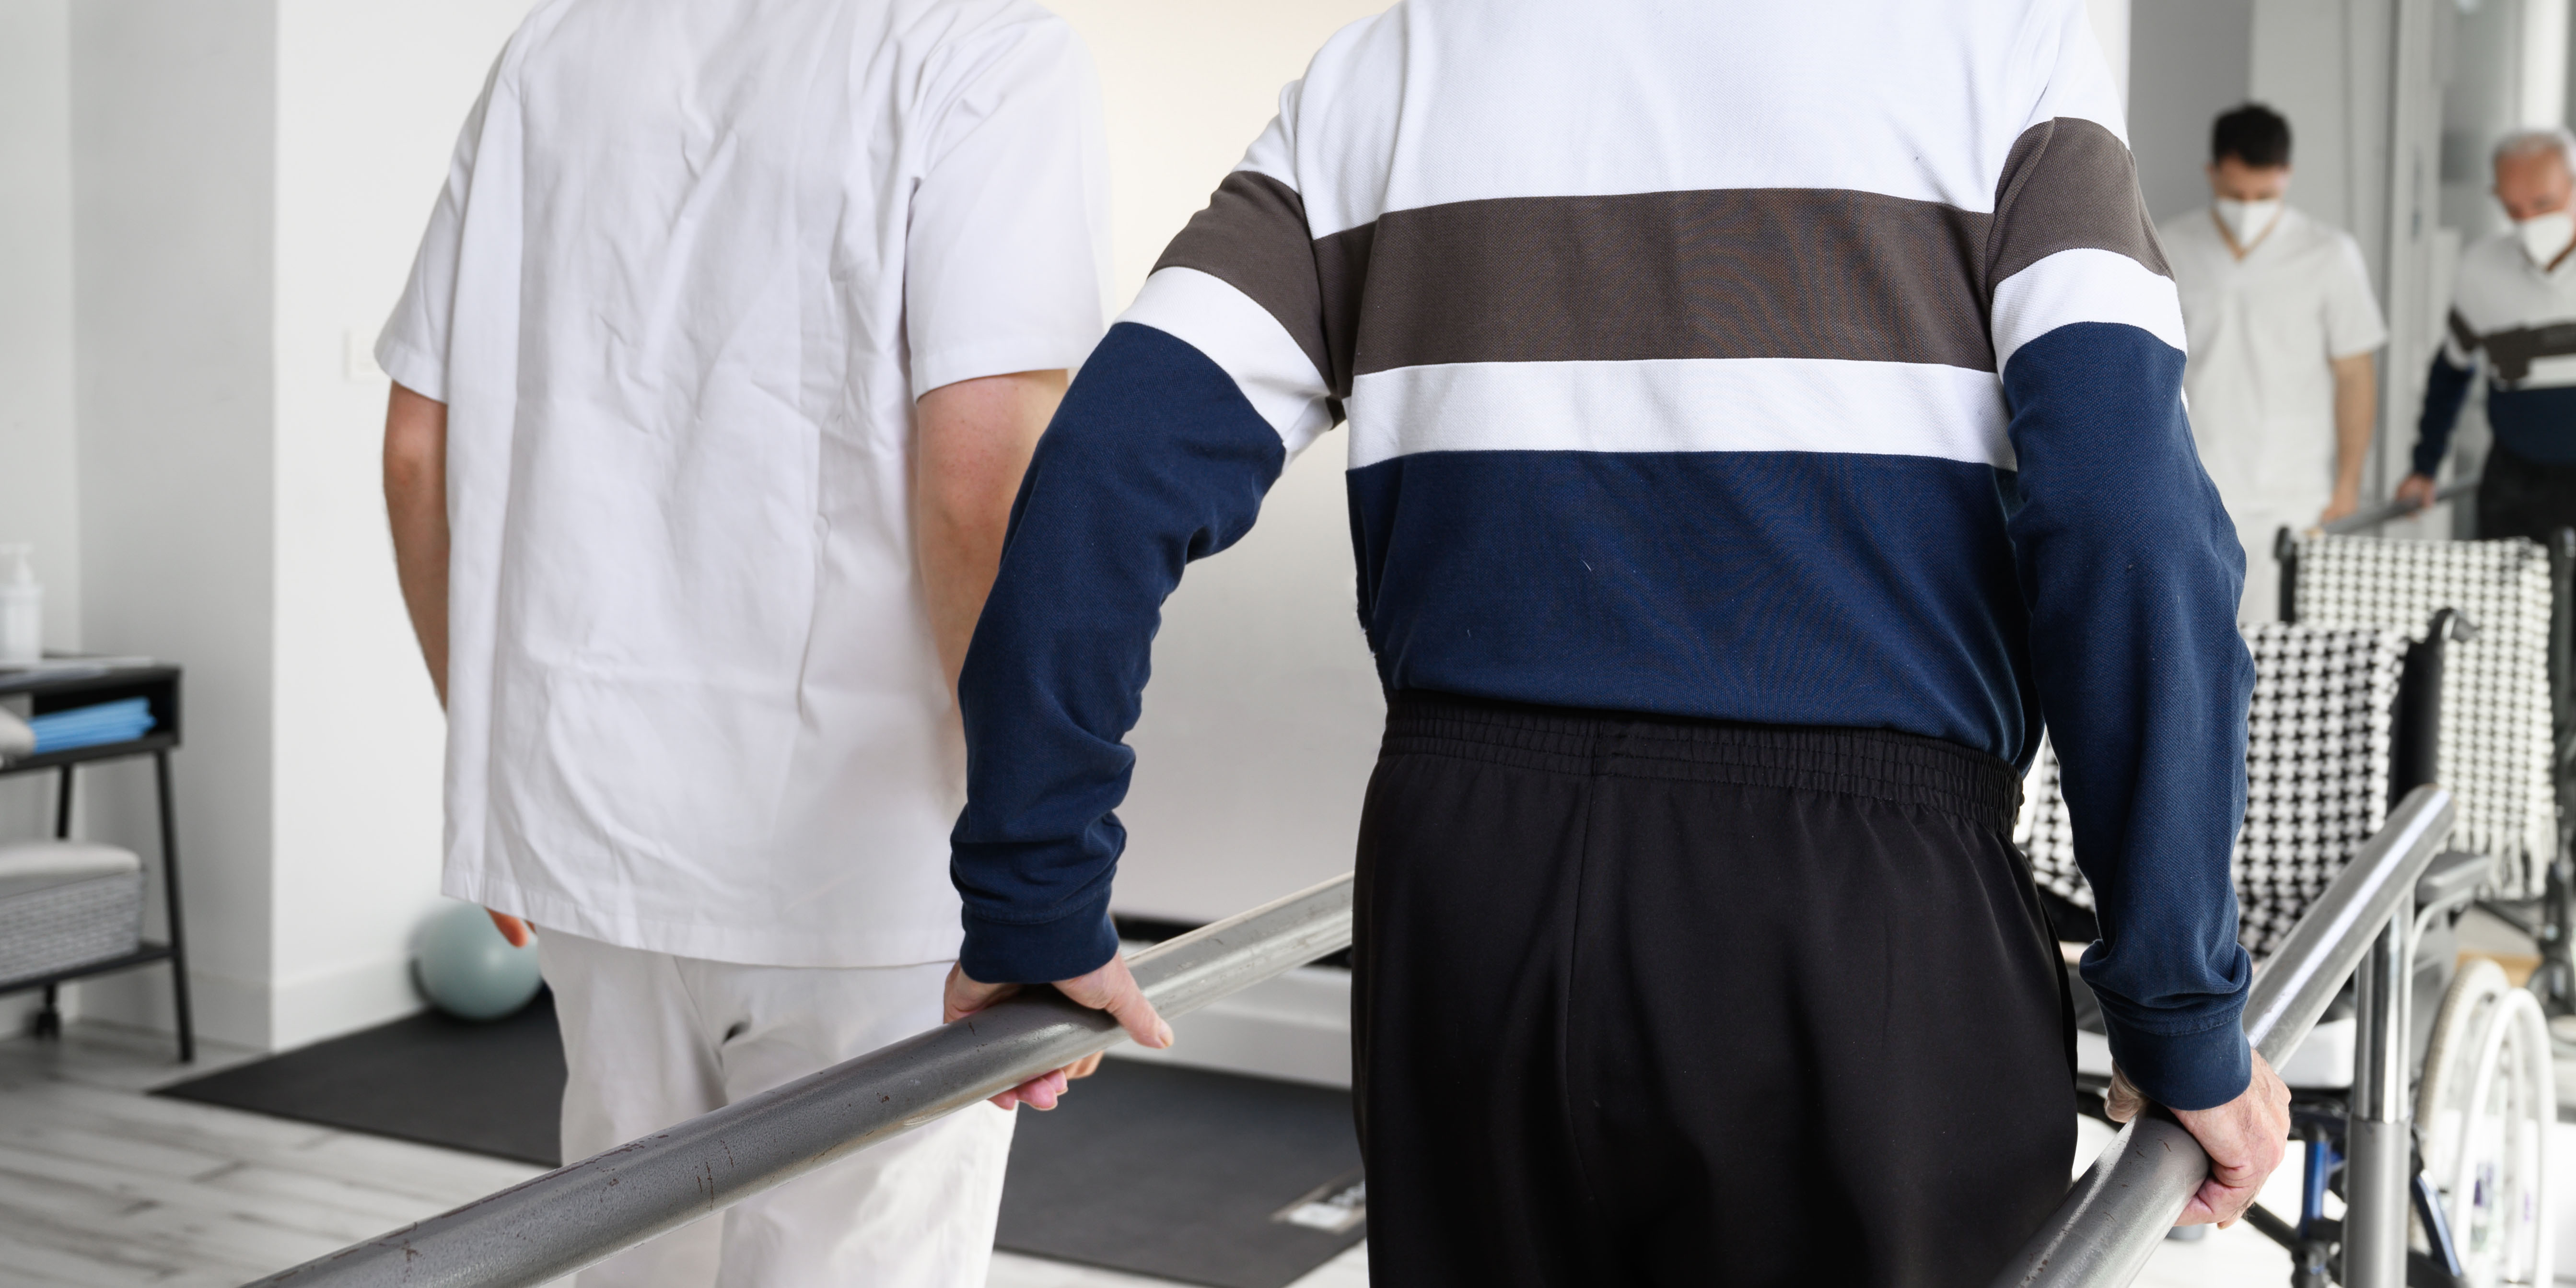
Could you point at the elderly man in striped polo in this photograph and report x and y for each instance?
(1761, 419)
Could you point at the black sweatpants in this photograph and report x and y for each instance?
(1657, 1002)
(2521, 497)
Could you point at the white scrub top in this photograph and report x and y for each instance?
(694, 261)
(2264, 333)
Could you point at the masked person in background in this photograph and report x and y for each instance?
(2282, 326)
(2515, 303)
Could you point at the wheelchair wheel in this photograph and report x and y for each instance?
(2485, 1106)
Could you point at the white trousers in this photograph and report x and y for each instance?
(651, 1040)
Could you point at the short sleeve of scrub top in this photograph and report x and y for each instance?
(413, 348)
(998, 286)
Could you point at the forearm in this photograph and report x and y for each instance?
(2132, 573)
(1155, 460)
(973, 439)
(2356, 406)
(2445, 388)
(415, 467)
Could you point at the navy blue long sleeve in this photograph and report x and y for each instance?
(2445, 389)
(2132, 573)
(1155, 459)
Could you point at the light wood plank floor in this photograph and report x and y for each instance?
(102, 1186)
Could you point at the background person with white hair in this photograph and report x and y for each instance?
(2514, 309)
(2277, 308)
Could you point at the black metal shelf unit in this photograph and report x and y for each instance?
(63, 691)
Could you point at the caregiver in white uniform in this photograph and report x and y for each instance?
(723, 355)
(2280, 383)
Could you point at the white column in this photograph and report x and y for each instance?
(2544, 64)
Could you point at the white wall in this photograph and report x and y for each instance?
(2188, 62)
(203, 203)
(1262, 720)
(171, 127)
(369, 99)
(39, 475)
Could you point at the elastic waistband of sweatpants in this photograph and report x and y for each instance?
(1875, 764)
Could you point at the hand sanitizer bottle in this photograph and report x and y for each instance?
(22, 608)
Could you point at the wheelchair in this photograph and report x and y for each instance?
(2351, 710)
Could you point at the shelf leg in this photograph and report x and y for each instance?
(49, 1018)
(170, 901)
(63, 806)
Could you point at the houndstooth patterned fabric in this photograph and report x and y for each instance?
(2317, 748)
(2496, 741)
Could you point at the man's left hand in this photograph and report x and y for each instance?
(2246, 1138)
(1110, 988)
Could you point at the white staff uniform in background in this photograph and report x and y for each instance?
(2259, 384)
(694, 262)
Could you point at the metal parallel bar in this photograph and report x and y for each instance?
(2364, 520)
(2117, 1213)
(577, 1215)
(2379, 1139)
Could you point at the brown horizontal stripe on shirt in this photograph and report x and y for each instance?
(2069, 184)
(1724, 273)
(1717, 273)
(1253, 237)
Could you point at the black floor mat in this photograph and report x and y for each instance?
(1151, 1169)
(1187, 1175)
(492, 1089)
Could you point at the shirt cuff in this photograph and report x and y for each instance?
(2199, 1070)
(1006, 952)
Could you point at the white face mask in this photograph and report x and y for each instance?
(2247, 221)
(2544, 237)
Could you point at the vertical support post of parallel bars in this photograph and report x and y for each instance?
(2379, 1138)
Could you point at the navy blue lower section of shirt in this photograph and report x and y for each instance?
(1803, 588)
(2534, 424)
(2099, 584)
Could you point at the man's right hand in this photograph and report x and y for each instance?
(1109, 988)
(2246, 1138)
(2417, 491)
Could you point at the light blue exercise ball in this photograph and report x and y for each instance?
(471, 972)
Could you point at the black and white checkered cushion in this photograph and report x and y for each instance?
(2496, 742)
(2318, 743)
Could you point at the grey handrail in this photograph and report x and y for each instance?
(2113, 1218)
(577, 1215)
(2390, 511)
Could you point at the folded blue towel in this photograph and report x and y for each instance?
(90, 722)
(96, 717)
(93, 726)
